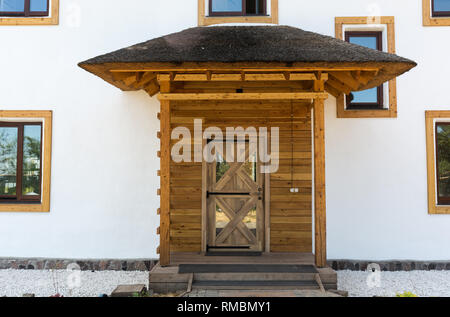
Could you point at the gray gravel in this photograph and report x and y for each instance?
(45, 283)
(420, 283)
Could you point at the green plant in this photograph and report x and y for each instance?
(406, 294)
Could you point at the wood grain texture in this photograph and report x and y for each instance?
(319, 184)
(165, 159)
(391, 112)
(430, 117)
(47, 117)
(287, 210)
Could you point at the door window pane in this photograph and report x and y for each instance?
(226, 6)
(31, 181)
(443, 162)
(38, 5)
(441, 5)
(8, 160)
(12, 5)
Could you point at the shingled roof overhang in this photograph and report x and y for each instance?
(248, 48)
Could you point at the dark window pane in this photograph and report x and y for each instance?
(254, 6)
(366, 41)
(443, 160)
(12, 5)
(442, 5)
(38, 5)
(31, 181)
(226, 6)
(8, 160)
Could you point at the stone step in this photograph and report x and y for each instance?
(256, 285)
(254, 276)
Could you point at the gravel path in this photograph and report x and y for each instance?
(48, 283)
(420, 283)
(92, 284)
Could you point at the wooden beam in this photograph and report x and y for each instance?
(337, 84)
(319, 184)
(347, 79)
(243, 96)
(333, 91)
(164, 255)
(152, 88)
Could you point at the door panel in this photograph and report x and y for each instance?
(235, 208)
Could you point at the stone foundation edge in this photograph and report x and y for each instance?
(84, 265)
(389, 266)
(148, 264)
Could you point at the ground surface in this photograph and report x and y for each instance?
(93, 284)
(420, 283)
(47, 283)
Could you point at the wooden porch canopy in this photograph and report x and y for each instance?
(246, 63)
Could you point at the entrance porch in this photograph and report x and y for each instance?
(261, 77)
(169, 280)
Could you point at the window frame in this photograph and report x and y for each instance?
(27, 11)
(389, 23)
(430, 18)
(269, 18)
(19, 198)
(431, 120)
(43, 117)
(51, 17)
(379, 105)
(242, 13)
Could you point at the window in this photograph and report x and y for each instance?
(371, 98)
(440, 8)
(376, 33)
(438, 161)
(20, 161)
(442, 135)
(24, 8)
(237, 11)
(29, 12)
(436, 12)
(237, 7)
(25, 147)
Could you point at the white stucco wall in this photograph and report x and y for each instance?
(103, 192)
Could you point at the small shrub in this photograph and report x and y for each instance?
(406, 294)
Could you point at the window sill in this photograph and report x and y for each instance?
(28, 207)
(210, 20)
(439, 210)
(364, 113)
(204, 20)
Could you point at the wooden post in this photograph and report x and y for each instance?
(319, 184)
(164, 246)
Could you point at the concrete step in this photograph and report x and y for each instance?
(256, 285)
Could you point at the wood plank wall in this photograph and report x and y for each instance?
(291, 214)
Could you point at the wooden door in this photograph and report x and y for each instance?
(235, 203)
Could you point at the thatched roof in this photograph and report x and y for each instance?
(252, 44)
(230, 44)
